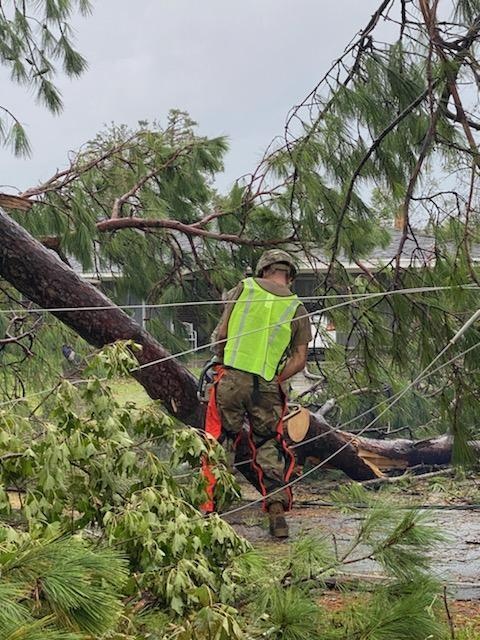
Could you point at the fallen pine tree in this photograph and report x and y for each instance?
(44, 279)
(364, 458)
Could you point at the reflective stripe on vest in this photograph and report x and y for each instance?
(259, 330)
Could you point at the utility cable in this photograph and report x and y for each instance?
(194, 303)
(391, 403)
(195, 349)
(397, 507)
(366, 412)
(341, 427)
(215, 343)
(379, 404)
(450, 343)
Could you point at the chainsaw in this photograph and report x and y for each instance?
(207, 377)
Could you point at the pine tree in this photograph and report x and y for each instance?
(34, 37)
(102, 536)
(377, 138)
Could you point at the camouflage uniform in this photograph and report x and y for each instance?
(252, 417)
(259, 450)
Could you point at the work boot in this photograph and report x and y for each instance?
(278, 524)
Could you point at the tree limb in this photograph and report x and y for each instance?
(115, 224)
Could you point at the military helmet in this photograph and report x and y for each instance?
(274, 256)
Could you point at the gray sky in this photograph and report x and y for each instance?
(236, 66)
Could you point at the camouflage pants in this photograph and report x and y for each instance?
(251, 417)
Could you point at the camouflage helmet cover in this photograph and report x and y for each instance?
(274, 256)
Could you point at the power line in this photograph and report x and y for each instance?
(390, 404)
(214, 343)
(277, 324)
(357, 298)
(397, 507)
(194, 303)
(341, 427)
(379, 404)
(394, 401)
(296, 445)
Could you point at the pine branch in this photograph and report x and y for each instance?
(114, 224)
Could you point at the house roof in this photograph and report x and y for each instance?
(100, 275)
(418, 251)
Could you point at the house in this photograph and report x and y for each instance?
(418, 252)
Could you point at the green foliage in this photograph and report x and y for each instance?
(402, 611)
(330, 194)
(34, 36)
(215, 622)
(289, 614)
(35, 361)
(467, 10)
(108, 537)
(93, 462)
(88, 466)
(406, 603)
(100, 533)
(395, 539)
(168, 171)
(75, 589)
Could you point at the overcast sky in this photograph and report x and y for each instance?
(236, 66)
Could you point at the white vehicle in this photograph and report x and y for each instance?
(324, 334)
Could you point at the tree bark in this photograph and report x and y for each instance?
(44, 279)
(367, 458)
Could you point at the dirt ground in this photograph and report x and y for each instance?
(452, 505)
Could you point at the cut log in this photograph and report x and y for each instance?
(367, 458)
(44, 279)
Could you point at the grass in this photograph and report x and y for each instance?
(131, 391)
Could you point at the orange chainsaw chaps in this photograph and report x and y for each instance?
(213, 429)
(208, 506)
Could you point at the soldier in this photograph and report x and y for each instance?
(266, 332)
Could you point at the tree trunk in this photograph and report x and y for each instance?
(44, 279)
(367, 458)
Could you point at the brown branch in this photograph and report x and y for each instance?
(429, 15)
(54, 244)
(411, 186)
(208, 218)
(115, 224)
(50, 242)
(373, 147)
(15, 339)
(73, 172)
(464, 121)
(449, 615)
(456, 118)
(19, 203)
(9, 456)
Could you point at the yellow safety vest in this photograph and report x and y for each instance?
(259, 330)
